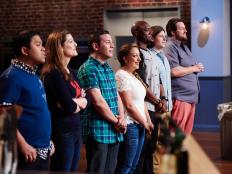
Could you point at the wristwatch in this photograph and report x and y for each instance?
(163, 98)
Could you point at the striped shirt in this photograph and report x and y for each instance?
(94, 74)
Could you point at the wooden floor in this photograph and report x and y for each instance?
(209, 141)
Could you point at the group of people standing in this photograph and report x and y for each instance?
(110, 113)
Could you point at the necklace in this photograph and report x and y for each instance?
(29, 69)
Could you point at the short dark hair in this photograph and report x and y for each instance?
(95, 38)
(124, 51)
(22, 39)
(171, 25)
(156, 30)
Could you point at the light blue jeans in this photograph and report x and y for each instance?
(130, 149)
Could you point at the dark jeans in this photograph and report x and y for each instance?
(39, 164)
(101, 158)
(130, 149)
(67, 154)
(145, 164)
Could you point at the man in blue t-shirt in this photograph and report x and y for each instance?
(20, 85)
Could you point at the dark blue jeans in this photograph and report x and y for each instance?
(67, 154)
(130, 149)
(101, 158)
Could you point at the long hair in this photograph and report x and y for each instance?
(55, 54)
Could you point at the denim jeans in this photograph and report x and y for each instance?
(145, 164)
(67, 154)
(130, 149)
(101, 158)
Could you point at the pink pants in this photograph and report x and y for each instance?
(183, 114)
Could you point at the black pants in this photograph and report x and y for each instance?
(145, 164)
(39, 164)
(101, 158)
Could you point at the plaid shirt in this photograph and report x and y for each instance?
(94, 74)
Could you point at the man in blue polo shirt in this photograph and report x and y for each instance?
(103, 126)
(20, 85)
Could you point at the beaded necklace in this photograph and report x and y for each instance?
(29, 69)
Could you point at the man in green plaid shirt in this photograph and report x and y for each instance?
(104, 124)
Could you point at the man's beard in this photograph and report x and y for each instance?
(183, 39)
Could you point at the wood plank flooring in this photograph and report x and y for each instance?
(209, 141)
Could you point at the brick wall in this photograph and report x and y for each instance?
(80, 17)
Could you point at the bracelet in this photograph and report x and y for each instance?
(163, 98)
